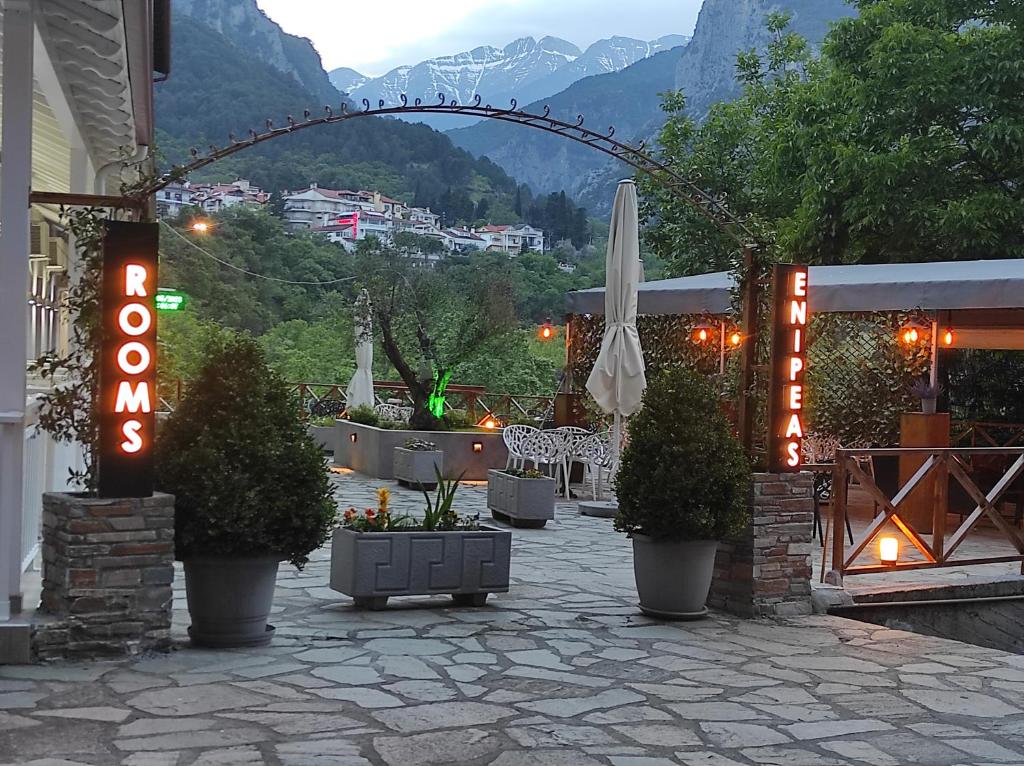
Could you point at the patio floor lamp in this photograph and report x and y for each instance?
(618, 379)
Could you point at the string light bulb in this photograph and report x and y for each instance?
(701, 334)
(948, 337)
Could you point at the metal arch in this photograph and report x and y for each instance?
(710, 206)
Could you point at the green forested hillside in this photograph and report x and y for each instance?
(217, 89)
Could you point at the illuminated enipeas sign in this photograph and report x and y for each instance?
(789, 365)
(128, 360)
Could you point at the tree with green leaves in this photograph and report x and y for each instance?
(902, 141)
(429, 324)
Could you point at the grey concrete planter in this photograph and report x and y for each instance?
(673, 578)
(416, 468)
(373, 566)
(324, 436)
(370, 450)
(522, 502)
(229, 600)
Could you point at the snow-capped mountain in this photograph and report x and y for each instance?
(526, 69)
(611, 55)
(345, 79)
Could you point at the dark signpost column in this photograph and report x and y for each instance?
(108, 561)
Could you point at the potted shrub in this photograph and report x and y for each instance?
(251, 491)
(375, 555)
(682, 486)
(523, 498)
(417, 463)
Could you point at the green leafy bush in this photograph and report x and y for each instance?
(364, 415)
(683, 475)
(247, 479)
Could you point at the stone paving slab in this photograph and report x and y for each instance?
(562, 670)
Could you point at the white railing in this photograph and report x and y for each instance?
(47, 467)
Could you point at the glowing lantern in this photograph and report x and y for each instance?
(490, 423)
(736, 339)
(889, 550)
(200, 227)
(912, 333)
(948, 337)
(702, 334)
(546, 331)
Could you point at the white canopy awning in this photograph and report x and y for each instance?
(948, 285)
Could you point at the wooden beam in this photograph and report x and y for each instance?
(84, 200)
(748, 353)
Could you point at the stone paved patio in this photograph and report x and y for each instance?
(561, 671)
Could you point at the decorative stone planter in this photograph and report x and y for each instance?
(373, 566)
(520, 501)
(418, 468)
(370, 450)
(324, 436)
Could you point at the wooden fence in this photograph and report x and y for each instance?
(940, 470)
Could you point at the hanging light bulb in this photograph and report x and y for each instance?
(948, 337)
(702, 333)
(736, 339)
(912, 333)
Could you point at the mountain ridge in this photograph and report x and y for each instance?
(629, 98)
(249, 28)
(525, 69)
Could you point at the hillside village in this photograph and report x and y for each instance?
(347, 217)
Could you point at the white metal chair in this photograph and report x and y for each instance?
(515, 437)
(598, 458)
(574, 437)
(543, 448)
(393, 412)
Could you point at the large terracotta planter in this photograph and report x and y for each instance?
(520, 501)
(673, 578)
(371, 567)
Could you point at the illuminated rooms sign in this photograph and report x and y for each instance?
(128, 360)
(789, 365)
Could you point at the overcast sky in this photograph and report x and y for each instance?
(374, 37)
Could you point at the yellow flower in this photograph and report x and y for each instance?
(383, 497)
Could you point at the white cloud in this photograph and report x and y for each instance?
(374, 37)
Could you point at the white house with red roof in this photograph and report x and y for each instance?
(512, 240)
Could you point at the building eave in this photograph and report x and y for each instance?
(101, 52)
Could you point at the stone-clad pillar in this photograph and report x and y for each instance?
(766, 570)
(108, 565)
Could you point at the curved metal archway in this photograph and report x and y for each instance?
(710, 206)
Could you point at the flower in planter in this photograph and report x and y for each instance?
(439, 514)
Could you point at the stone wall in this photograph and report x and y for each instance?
(108, 565)
(766, 570)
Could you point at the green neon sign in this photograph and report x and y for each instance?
(170, 300)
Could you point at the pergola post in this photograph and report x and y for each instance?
(15, 185)
(748, 354)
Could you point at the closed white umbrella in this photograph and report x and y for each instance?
(360, 388)
(617, 381)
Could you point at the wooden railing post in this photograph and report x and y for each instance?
(940, 505)
(471, 405)
(840, 477)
